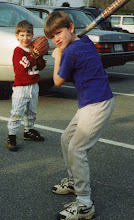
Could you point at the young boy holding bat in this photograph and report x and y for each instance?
(78, 58)
(25, 87)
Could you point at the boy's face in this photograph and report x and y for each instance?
(24, 38)
(63, 37)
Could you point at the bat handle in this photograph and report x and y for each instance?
(89, 27)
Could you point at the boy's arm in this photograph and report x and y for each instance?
(57, 54)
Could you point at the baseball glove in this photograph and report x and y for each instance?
(39, 47)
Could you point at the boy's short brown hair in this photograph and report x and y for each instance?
(55, 21)
(24, 26)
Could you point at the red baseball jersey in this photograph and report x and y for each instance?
(26, 68)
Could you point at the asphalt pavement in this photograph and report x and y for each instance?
(26, 176)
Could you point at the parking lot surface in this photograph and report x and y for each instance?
(28, 174)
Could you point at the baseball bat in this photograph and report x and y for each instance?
(105, 14)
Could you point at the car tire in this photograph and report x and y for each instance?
(45, 86)
(5, 90)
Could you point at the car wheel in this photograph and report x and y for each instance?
(5, 90)
(45, 86)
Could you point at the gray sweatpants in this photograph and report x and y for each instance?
(24, 104)
(80, 135)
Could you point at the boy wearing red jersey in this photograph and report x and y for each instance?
(25, 87)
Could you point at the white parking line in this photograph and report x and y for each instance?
(127, 94)
(116, 93)
(70, 87)
(124, 74)
(115, 143)
(130, 63)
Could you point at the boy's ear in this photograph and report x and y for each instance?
(71, 28)
(17, 36)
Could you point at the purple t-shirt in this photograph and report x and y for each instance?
(81, 61)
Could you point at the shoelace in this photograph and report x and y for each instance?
(65, 180)
(34, 133)
(70, 204)
(72, 207)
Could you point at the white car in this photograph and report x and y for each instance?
(114, 48)
(10, 15)
(123, 21)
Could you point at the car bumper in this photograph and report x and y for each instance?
(109, 60)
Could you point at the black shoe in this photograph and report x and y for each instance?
(33, 135)
(11, 141)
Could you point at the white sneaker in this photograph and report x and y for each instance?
(66, 187)
(77, 211)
